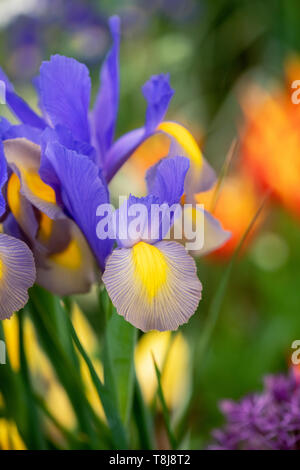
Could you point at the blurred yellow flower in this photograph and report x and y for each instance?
(173, 358)
(43, 376)
(10, 438)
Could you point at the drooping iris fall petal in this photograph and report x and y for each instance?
(17, 274)
(24, 159)
(155, 287)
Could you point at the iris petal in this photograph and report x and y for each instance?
(158, 93)
(214, 234)
(165, 180)
(21, 208)
(124, 217)
(3, 178)
(70, 271)
(154, 287)
(82, 191)
(24, 159)
(210, 230)
(106, 106)
(19, 106)
(65, 88)
(201, 176)
(17, 274)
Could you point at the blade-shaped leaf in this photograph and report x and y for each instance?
(165, 410)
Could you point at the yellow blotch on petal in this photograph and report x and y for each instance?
(70, 258)
(172, 356)
(13, 195)
(185, 139)
(45, 227)
(38, 187)
(151, 268)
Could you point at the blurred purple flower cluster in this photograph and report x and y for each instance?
(266, 421)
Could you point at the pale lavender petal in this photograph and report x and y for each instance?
(23, 157)
(172, 297)
(17, 275)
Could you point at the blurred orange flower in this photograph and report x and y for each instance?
(235, 206)
(270, 144)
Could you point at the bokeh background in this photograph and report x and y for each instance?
(218, 55)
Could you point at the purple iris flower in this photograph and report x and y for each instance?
(79, 153)
(152, 282)
(64, 93)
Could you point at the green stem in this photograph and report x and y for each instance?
(166, 415)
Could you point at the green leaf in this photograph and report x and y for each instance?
(143, 419)
(41, 309)
(34, 430)
(166, 415)
(119, 346)
(106, 397)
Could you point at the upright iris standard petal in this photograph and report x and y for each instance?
(82, 191)
(158, 93)
(145, 218)
(133, 220)
(166, 179)
(154, 287)
(17, 274)
(65, 88)
(105, 111)
(19, 107)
